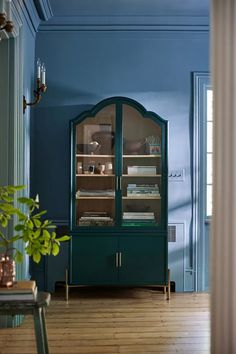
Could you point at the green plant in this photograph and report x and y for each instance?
(38, 234)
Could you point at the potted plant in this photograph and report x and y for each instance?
(37, 233)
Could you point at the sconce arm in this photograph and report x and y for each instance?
(37, 96)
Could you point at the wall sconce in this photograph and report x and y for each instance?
(41, 85)
(5, 16)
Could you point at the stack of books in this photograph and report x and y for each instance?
(95, 193)
(141, 170)
(96, 218)
(132, 218)
(23, 290)
(143, 190)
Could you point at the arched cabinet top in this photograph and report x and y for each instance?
(119, 101)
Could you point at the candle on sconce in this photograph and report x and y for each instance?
(8, 9)
(38, 69)
(43, 74)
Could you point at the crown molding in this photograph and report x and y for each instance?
(30, 14)
(127, 23)
(44, 9)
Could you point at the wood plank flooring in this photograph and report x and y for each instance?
(118, 320)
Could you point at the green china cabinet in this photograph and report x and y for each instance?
(118, 210)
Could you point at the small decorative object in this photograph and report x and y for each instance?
(135, 147)
(79, 168)
(85, 169)
(106, 141)
(91, 167)
(38, 235)
(153, 144)
(94, 147)
(108, 168)
(101, 168)
(7, 271)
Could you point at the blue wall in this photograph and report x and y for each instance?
(85, 66)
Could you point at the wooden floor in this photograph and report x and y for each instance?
(119, 320)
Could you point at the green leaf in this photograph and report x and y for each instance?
(18, 256)
(30, 224)
(15, 238)
(51, 227)
(44, 251)
(36, 257)
(7, 199)
(37, 233)
(46, 235)
(37, 223)
(63, 238)
(25, 200)
(8, 208)
(4, 221)
(55, 249)
(19, 227)
(16, 188)
(40, 214)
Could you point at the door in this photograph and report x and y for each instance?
(142, 260)
(143, 169)
(94, 260)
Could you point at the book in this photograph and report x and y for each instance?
(21, 290)
(142, 170)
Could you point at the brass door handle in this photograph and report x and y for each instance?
(117, 259)
(120, 182)
(120, 258)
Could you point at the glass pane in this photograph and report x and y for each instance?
(209, 168)
(141, 170)
(209, 136)
(95, 169)
(209, 200)
(209, 105)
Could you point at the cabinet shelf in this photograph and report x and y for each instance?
(138, 175)
(89, 155)
(140, 197)
(95, 198)
(94, 175)
(141, 156)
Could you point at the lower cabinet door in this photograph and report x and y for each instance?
(143, 260)
(94, 260)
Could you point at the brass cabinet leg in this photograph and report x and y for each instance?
(67, 286)
(168, 286)
(67, 292)
(164, 289)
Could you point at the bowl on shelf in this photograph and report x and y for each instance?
(91, 148)
(135, 147)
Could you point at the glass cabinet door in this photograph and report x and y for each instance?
(95, 169)
(141, 169)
